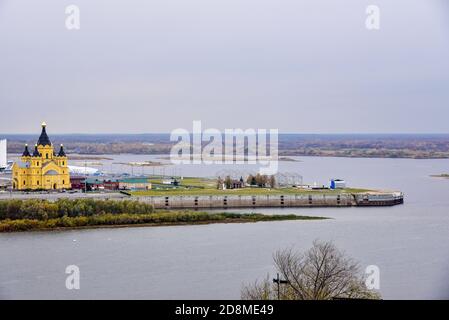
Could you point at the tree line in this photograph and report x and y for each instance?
(42, 209)
(258, 180)
(261, 180)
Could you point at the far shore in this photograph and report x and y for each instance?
(443, 176)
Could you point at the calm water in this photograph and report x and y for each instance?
(409, 243)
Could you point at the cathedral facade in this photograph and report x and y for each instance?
(43, 169)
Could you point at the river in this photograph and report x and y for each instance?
(409, 243)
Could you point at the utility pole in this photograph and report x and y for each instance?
(279, 282)
(85, 177)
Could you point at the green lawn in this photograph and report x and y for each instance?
(187, 182)
(199, 182)
(197, 186)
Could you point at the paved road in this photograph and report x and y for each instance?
(55, 196)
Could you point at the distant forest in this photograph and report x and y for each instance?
(427, 146)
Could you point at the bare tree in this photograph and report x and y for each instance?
(272, 181)
(321, 273)
(220, 183)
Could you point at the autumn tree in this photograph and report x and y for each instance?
(251, 180)
(228, 182)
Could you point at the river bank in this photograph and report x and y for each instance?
(32, 215)
(127, 221)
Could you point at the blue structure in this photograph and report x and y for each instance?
(337, 184)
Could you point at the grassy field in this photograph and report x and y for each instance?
(194, 186)
(186, 182)
(199, 182)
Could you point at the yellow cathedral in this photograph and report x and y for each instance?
(43, 169)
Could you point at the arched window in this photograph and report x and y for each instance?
(63, 181)
(62, 162)
(38, 183)
(46, 155)
(24, 182)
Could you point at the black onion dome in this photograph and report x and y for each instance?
(26, 152)
(44, 140)
(36, 152)
(61, 152)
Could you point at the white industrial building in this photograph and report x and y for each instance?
(3, 155)
(83, 171)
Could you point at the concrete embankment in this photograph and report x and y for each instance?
(274, 201)
(233, 201)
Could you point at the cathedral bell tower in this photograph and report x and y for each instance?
(44, 146)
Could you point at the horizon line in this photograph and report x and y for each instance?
(280, 133)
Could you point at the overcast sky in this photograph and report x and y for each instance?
(156, 65)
